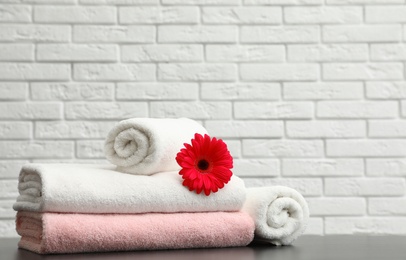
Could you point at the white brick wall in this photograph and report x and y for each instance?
(307, 93)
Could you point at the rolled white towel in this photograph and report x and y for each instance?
(280, 213)
(145, 146)
(78, 188)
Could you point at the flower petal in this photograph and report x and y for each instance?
(208, 179)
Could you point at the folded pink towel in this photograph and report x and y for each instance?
(46, 233)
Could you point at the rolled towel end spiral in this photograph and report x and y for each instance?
(280, 214)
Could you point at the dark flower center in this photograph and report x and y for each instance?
(203, 164)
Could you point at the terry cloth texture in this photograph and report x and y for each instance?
(46, 233)
(100, 189)
(145, 146)
(280, 213)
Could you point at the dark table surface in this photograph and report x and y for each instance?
(306, 247)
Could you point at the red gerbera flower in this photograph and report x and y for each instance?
(205, 164)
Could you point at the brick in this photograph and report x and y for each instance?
(8, 228)
(245, 53)
(57, 2)
(72, 129)
(322, 90)
(362, 33)
(242, 15)
(15, 13)
(197, 72)
(388, 52)
(201, 2)
(90, 149)
(105, 110)
(315, 226)
(366, 148)
(336, 206)
(322, 167)
(194, 110)
(13, 90)
(119, 2)
(279, 34)
(77, 52)
(6, 209)
(403, 108)
(157, 91)
(75, 14)
(8, 189)
(273, 110)
(364, 187)
(362, 71)
(16, 52)
(357, 110)
(15, 130)
(197, 34)
(36, 149)
(283, 2)
(72, 91)
(364, 2)
(11, 169)
(385, 128)
(34, 33)
(234, 146)
(386, 167)
(279, 72)
(34, 71)
(387, 206)
(386, 90)
(282, 148)
(328, 52)
(240, 91)
(305, 186)
(375, 226)
(158, 15)
(114, 72)
(161, 53)
(113, 33)
(74, 161)
(326, 129)
(404, 32)
(245, 129)
(385, 14)
(323, 15)
(37, 110)
(256, 167)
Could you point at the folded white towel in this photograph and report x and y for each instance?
(145, 146)
(100, 189)
(280, 213)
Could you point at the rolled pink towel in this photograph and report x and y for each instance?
(46, 233)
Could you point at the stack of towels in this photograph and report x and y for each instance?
(139, 203)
